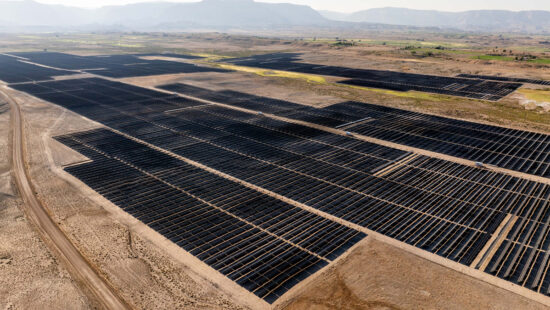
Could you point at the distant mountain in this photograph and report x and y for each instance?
(334, 15)
(225, 13)
(141, 16)
(30, 13)
(229, 15)
(486, 20)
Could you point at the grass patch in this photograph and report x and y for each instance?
(445, 51)
(424, 44)
(408, 94)
(494, 57)
(545, 61)
(538, 95)
(321, 80)
(530, 49)
(395, 43)
(276, 73)
(500, 112)
(209, 57)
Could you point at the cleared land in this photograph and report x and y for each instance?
(378, 276)
(143, 268)
(30, 276)
(291, 185)
(78, 266)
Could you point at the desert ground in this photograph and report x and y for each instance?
(144, 274)
(31, 275)
(150, 272)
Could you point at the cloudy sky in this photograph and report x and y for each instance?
(356, 5)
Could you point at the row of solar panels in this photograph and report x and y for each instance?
(446, 208)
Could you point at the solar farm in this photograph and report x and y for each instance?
(113, 66)
(517, 150)
(461, 86)
(271, 193)
(503, 78)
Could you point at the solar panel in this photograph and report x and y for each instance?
(399, 81)
(439, 206)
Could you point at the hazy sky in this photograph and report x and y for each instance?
(356, 5)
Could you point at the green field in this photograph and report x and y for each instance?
(512, 58)
(494, 57)
(539, 95)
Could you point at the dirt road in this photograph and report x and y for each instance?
(53, 236)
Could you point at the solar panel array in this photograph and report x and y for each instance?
(476, 89)
(455, 86)
(14, 70)
(523, 255)
(262, 243)
(513, 149)
(158, 190)
(171, 55)
(283, 108)
(115, 66)
(517, 150)
(446, 208)
(503, 78)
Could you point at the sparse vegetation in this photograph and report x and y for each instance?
(275, 73)
(494, 57)
(455, 53)
(445, 54)
(540, 95)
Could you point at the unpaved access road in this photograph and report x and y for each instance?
(54, 237)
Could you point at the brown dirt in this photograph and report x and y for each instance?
(146, 276)
(30, 277)
(240, 81)
(378, 276)
(373, 276)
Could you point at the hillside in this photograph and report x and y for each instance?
(487, 20)
(143, 16)
(227, 15)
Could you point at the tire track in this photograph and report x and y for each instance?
(79, 267)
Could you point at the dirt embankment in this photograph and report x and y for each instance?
(145, 275)
(30, 277)
(378, 276)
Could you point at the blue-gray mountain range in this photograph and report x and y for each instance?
(484, 20)
(248, 14)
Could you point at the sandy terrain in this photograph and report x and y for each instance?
(30, 277)
(152, 273)
(239, 81)
(145, 276)
(357, 57)
(378, 276)
(507, 112)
